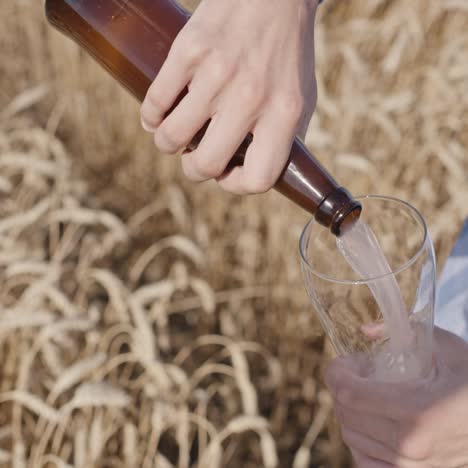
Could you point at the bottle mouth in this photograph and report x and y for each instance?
(346, 218)
(339, 211)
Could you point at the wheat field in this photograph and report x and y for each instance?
(147, 322)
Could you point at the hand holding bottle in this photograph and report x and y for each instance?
(249, 67)
(413, 425)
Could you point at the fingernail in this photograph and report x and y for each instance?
(146, 126)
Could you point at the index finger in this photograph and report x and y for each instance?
(165, 91)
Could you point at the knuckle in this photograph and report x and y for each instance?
(194, 51)
(415, 434)
(206, 168)
(346, 436)
(259, 183)
(347, 396)
(166, 140)
(290, 105)
(219, 67)
(152, 104)
(416, 445)
(250, 93)
(190, 46)
(397, 434)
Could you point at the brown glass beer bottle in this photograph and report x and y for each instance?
(132, 38)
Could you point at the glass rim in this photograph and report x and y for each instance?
(395, 271)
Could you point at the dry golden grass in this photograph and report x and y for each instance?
(147, 322)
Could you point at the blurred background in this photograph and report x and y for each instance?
(150, 322)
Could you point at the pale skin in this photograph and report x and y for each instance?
(415, 425)
(249, 67)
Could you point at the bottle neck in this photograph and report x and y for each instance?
(308, 184)
(338, 211)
